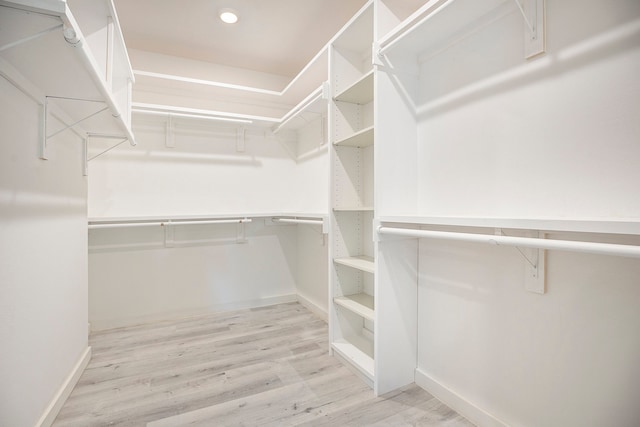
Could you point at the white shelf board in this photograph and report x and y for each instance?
(629, 226)
(354, 209)
(57, 68)
(310, 108)
(359, 352)
(362, 138)
(438, 23)
(363, 263)
(360, 92)
(360, 304)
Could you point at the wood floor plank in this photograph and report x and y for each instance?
(265, 366)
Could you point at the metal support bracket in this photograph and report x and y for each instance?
(44, 137)
(534, 36)
(534, 274)
(32, 37)
(87, 159)
(169, 234)
(241, 235)
(375, 54)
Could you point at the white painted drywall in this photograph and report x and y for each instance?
(134, 278)
(43, 261)
(555, 136)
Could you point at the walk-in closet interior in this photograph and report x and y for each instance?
(449, 190)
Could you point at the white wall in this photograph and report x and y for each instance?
(134, 278)
(43, 262)
(553, 137)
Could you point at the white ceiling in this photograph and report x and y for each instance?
(273, 36)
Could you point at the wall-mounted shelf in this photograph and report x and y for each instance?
(360, 92)
(435, 23)
(44, 53)
(361, 262)
(362, 138)
(314, 105)
(361, 304)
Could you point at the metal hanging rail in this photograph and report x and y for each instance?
(529, 242)
(169, 222)
(300, 221)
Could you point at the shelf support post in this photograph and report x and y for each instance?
(169, 234)
(534, 35)
(535, 273)
(43, 129)
(241, 235)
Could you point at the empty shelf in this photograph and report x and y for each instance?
(359, 352)
(360, 92)
(362, 138)
(361, 304)
(363, 263)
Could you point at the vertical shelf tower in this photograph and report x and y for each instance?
(352, 267)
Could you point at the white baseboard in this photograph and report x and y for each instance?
(50, 414)
(120, 322)
(314, 308)
(456, 402)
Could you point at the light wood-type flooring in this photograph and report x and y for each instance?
(258, 367)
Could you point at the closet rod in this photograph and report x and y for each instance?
(190, 116)
(300, 221)
(530, 242)
(164, 223)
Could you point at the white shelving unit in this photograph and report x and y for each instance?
(82, 84)
(352, 302)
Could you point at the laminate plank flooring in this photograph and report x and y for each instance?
(267, 366)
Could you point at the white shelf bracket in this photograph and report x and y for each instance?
(43, 129)
(170, 139)
(534, 36)
(105, 136)
(241, 232)
(535, 273)
(240, 139)
(85, 156)
(29, 38)
(534, 280)
(376, 56)
(169, 234)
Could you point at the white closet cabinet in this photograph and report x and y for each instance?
(351, 131)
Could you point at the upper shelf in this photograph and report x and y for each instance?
(439, 21)
(362, 138)
(43, 51)
(360, 92)
(314, 105)
(613, 226)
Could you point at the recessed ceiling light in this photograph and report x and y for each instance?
(229, 16)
